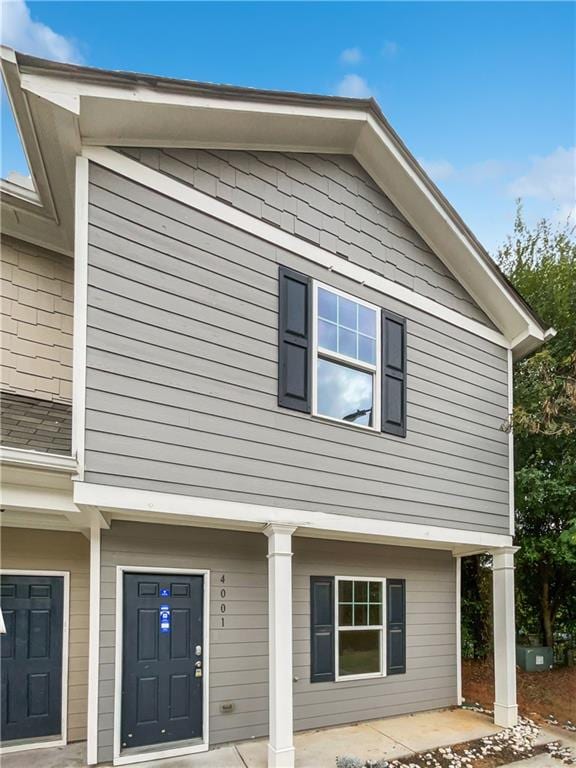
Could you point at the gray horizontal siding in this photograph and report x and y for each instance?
(238, 669)
(181, 381)
(327, 199)
(430, 679)
(238, 652)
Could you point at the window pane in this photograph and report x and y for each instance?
(347, 313)
(375, 591)
(367, 321)
(344, 393)
(375, 614)
(359, 652)
(345, 615)
(345, 591)
(327, 303)
(360, 591)
(327, 335)
(360, 615)
(366, 349)
(346, 342)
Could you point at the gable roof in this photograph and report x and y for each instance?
(61, 108)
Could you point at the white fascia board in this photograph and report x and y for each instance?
(37, 460)
(183, 193)
(67, 90)
(138, 114)
(29, 140)
(31, 498)
(376, 151)
(110, 498)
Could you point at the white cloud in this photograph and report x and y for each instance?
(552, 177)
(354, 86)
(351, 56)
(390, 49)
(20, 31)
(482, 172)
(438, 170)
(485, 170)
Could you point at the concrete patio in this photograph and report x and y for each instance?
(376, 739)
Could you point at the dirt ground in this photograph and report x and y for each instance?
(540, 694)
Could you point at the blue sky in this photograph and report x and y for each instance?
(482, 93)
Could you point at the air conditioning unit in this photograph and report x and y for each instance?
(534, 658)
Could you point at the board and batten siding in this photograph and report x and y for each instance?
(238, 653)
(35, 550)
(182, 381)
(430, 681)
(327, 199)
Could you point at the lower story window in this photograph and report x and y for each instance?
(360, 628)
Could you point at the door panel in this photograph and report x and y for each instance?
(163, 629)
(31, 650)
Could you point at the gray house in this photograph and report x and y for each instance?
(255, 375)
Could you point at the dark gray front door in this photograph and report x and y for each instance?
(162, 658)
(31, 650)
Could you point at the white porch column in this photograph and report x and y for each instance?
(505, 707)
(93, 645)
(280, 744)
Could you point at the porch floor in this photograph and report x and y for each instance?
(389, 738)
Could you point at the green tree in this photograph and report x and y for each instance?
(541, 263)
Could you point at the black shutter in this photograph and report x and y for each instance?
(396, 626)
(321, 629)
(294, 340)
(393, 374)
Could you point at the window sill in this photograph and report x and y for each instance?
(369, 676)
(347, 424)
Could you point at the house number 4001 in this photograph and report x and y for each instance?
(222, 597)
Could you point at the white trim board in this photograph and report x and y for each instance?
(23, 457)
(61, 740)
(511, 442)
(93, 647)
(109, 498)
(176, 190)
(458, 567)
(164, 751)
(80, 313)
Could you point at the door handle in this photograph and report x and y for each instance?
(198, 665)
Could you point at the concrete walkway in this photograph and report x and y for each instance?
(390, 738)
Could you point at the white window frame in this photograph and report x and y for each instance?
(380, 627)
(375, 370)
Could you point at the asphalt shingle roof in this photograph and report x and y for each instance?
(34, 424)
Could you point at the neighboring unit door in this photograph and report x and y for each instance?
(162, 658)
(31, 656)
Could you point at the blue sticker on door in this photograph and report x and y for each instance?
(164, 618)
(165, 592)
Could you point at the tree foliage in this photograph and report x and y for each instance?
(541, 263)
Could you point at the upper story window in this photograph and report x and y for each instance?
(339, 357)
(346, 361)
